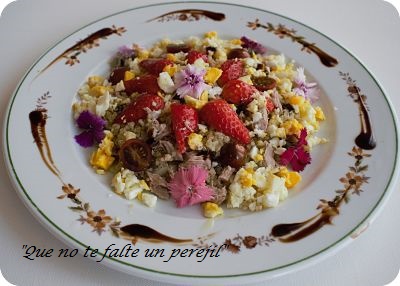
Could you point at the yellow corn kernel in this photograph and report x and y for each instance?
(97, 90)
(195, 103)
(139, 196)
(171, 57)
(292, 127)
(292, 179)
(319, 114)
(211, 210)
(95, 80)
(128, 75)
(195, 141)
(236, 41)
(204, 96)
(170, 69)
(211, 34)
(100, 160)
(296, 100)
(143, 54)
(143, 185)
(212, 75)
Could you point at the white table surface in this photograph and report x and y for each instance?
(369, 29)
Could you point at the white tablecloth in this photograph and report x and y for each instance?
(369, 29)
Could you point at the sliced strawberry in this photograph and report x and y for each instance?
(238, 92)
(137, 109)
(270, 105)
(220, 115)
(194, 55)
(143, 84)
(231, 69)
(154, 66)
(184, 122)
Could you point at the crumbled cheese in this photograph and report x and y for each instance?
(165, 82)
(148, 199)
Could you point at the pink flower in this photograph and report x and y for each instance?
(302, 88)
(189, 81)
(188, 187)
(296, 155)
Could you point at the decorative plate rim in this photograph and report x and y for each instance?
(65, 237)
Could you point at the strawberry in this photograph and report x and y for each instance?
(194, 55)
(220, 115)
(143, 84)
(238, 92)
(136, 110)
(231, 69)
(154, 66)
(184, 122)
(270, 105)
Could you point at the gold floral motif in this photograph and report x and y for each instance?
(283, 32)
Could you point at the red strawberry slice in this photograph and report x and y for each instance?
(220, 115)
(154, 66)
(137, 109)
(238, 92)
(143, 84)
(184, 122)
(231, 69)
(194, 55)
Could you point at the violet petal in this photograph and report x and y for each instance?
(253, 45)
(85, 139)
(88, 120)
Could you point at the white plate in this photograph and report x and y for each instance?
(44, 173)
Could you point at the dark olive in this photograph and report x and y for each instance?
(117, 75)
(238, 53)
(135, 155)
(176, 48)
(264, 83)
(232, 154)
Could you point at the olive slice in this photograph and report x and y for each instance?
(176, 48)
(232, 154)
(135, 155)
(264, 83)
(238, 53)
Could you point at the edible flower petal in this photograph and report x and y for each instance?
(302, 88)
(188, 187)
(189, 81)
(126, 52)
(253, 45)
(94, 126)
(296, 155)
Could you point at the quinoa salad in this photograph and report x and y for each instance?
(206, 122)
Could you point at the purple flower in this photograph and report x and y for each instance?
(302, 88)
(253, 45)
(189, 81)
(94, 126)
(126, 52)
(188, 187)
